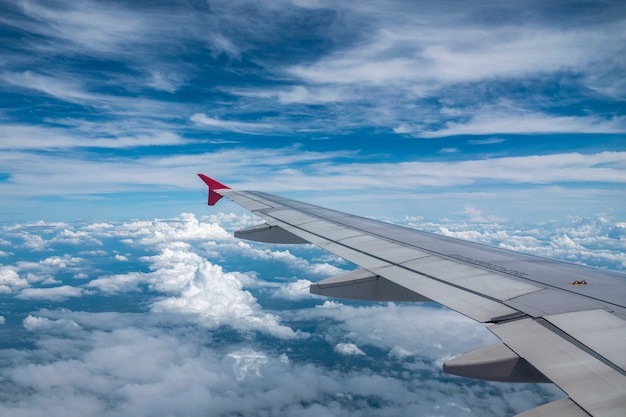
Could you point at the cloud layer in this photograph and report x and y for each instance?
(195, 321)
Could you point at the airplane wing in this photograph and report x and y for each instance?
(558, 322)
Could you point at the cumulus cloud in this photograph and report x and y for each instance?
(204, 289)
(593, 241)
(194, 286)
(348, 349)
(118, 283)
(35, 323)
(476, 215)
(120, 258)
(76, 238)
(321, 270)
(10, 279)
(296, 290)
(32, 241)
(183, 228)
(57, 294)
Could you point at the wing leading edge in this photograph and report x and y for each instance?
(558, 322)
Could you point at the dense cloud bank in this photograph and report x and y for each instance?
(176, 317)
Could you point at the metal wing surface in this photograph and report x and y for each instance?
(558, 322)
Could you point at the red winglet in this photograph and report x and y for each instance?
(213, 185)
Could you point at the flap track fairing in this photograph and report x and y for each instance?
(268, 234)
(364, 285)
(494, 363)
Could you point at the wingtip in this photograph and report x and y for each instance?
(213, 185)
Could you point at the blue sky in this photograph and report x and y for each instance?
(110, 108)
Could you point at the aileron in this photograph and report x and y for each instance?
(601, 331)
(596, 387)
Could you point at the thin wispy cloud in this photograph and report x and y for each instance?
(102, 99)
(489, 122)
(25, 137)
(233, 126)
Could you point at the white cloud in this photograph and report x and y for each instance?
(89, 24)
(300, 94)
(57, 294)
(165, 81)
(117, 283)
(203, 120)
(98, 362)
(99, 226)
(27, 137)
(33, 242)
(296, 290)
(248, 363)
(185, 227)
(35, 323)
(51, 174)
(318, 172)
(476, 215)
(539, 169)
(449, 150)
(194, 286)
(490, 121)
(348, 349)
(120, 258)
(60, 262)
(10, 280)
(320, 270)
(442, 333)
(400, 352)
(2, 320)
(427, 49)
(65, 89)
(593, 241)
(204, 290)
(491, 141)
(75, 238)
(41, 271)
